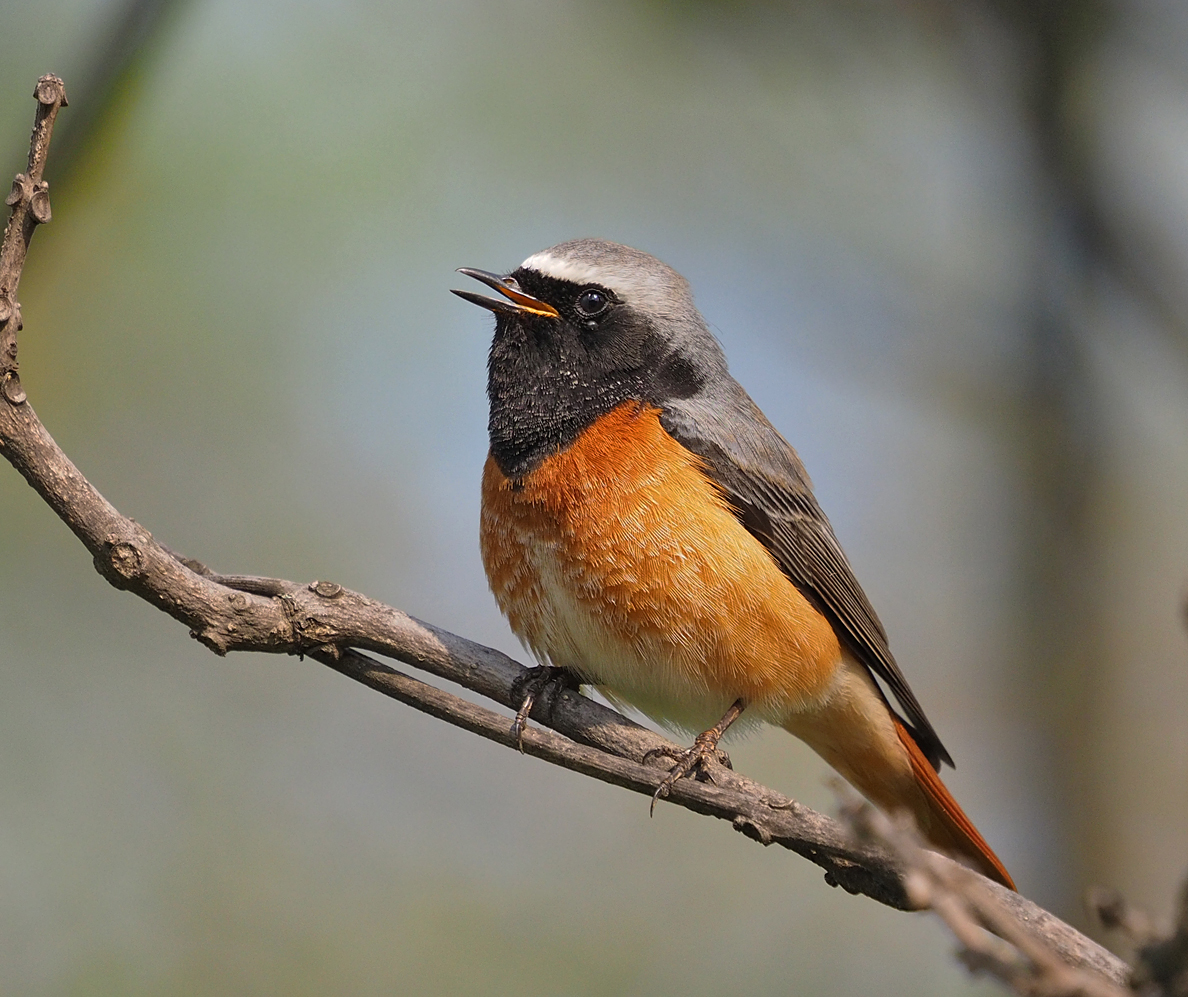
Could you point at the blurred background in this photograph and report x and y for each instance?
(945, 245)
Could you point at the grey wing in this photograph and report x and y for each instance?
(767, 486)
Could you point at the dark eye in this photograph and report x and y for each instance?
(592, 302)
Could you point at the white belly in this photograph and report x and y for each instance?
(657, 673)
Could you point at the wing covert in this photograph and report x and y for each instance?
(766, 484)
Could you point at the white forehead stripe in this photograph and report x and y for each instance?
(648, 285)
(553, 266)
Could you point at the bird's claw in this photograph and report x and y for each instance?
(545, 683)
(694, 760)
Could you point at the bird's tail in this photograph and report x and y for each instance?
(860, 736)
(944, 823)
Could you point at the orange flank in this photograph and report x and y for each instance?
(618, 557)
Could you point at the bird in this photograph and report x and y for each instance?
(646, 529)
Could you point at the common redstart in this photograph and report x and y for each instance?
(647, 529)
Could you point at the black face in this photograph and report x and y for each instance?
(550, 378)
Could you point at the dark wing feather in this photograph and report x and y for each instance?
(765, 483)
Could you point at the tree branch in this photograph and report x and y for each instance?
(1161, 962)
(331, 624)
(994, 939)
(30, 205)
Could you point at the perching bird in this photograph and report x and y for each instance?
(645, 527)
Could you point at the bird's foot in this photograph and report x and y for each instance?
(694, 760)
(545, 683)
(697, 758)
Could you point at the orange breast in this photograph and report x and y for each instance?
(619, 557)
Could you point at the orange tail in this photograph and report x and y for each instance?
(947, 826)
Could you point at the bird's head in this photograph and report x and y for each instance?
(580, 329)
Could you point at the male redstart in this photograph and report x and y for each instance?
(646, 528)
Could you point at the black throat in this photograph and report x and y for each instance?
(548, 379)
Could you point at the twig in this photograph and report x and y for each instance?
(329, 623)
(993, 937)
(1161, 963)
(1117, 914)
(30, 205)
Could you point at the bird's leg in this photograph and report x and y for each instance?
(705, 749)
(545, 683)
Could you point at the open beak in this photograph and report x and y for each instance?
(516, 303)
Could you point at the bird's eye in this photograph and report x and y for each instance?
(592, 302)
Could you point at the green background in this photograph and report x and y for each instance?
(238, 325)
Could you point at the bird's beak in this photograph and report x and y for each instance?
(517, 303)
